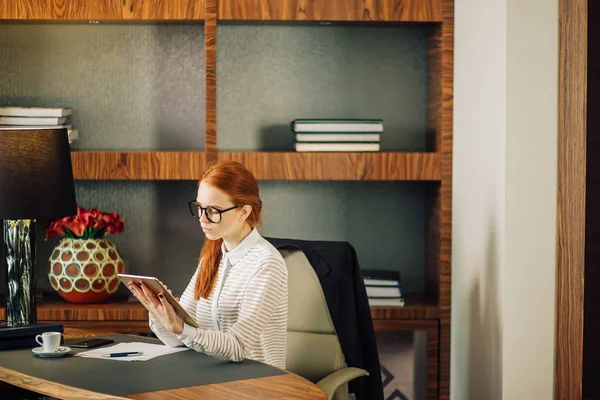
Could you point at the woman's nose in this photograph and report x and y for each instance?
(203, 217)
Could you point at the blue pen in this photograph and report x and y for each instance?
(124, 354)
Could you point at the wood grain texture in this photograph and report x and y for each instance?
(163, 9)
(283, 387)
(49, 388)
(288, 386)
(432, 329)
(434, 97)
(60, 9)
(417, 308)
(332, 10)
(338, 166)
(571, 197)
(434, 143)
(113, 310)
(210, 79)
(139, 165)
(445, 209)
(433, 243)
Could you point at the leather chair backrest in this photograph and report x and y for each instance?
(313, 348)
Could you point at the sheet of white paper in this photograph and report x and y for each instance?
(148, 350)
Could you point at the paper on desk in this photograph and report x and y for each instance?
(149, 351)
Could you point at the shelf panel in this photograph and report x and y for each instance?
(338, 166)
(156, 10)
(417, 307)
(128, 315)
(332, 10)
(61, 10)
(115, 165)
(54, 308)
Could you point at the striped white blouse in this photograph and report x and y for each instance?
(246, 314)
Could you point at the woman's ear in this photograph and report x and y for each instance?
(245, 212)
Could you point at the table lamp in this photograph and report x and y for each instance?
(36, 182)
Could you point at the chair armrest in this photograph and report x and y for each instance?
(333, 381)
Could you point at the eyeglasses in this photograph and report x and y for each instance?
(212, 214)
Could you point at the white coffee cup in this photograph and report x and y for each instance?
(49, 340)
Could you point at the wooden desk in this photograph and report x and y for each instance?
(288, 386)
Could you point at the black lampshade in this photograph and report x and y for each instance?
(36, 176)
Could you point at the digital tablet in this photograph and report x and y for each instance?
(156, 287)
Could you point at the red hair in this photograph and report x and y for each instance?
(240, 185)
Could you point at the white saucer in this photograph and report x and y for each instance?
(62, 350)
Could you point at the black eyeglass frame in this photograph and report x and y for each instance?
(202, 210)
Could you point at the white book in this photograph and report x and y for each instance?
(379, 282)
(337, 146)
(333, 125)
(34, 111)
(337, 137)
(31, 127)
(393, 292)
(32, 120)
(391, 302)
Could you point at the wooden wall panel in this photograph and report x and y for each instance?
(445, 151)
(338, 166)
(332, 10)
(210, 79)
(163, 9)
(61, 9)
(137, 165)
(571, 197)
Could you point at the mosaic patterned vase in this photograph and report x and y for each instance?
(85, 270)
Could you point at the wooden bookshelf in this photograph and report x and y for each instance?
(338, 166)
(128, 316)
(431, 312)
(137, 165)
(332, 10)
(189, 10)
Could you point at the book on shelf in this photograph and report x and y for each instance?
(31, 127)
(338, 137)
(9, 111)
(337, 125)
(332, 147)
(383, 287)
(31, 120)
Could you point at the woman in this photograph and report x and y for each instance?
(239, 292)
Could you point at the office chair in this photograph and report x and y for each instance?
(313, 348)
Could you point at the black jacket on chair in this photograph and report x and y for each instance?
(337, 268)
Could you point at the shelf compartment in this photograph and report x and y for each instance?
(137, 165)
(332, 10)
(339, 166)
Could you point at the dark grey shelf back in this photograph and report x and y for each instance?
(384, 221)
(138, 87)
(268, 75)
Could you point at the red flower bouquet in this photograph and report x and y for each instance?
(87, 224)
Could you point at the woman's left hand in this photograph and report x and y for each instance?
(159, 307)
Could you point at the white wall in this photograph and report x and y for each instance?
(504, 204)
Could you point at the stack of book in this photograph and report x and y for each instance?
(384, 288)
(25, 118)
(337, 134)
